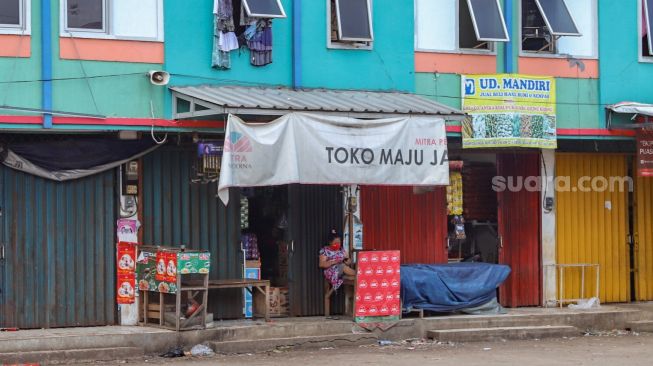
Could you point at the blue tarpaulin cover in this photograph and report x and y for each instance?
(450, 287)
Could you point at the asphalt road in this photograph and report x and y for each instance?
(608, 348)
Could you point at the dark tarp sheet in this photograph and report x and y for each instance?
(78, 153)
(450, 287)
(63, 160)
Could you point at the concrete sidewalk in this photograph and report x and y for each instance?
(116, 342)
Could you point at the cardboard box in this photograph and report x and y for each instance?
(279, 304)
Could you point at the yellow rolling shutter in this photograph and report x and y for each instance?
(592, 227)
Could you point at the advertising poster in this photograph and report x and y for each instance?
(171, 267)
(126, 272)
(644, 153)
(126, 288)
(378, 286)
(126, 258)
(509, 110)
(148, 266)
(194, 262)
(127, 230)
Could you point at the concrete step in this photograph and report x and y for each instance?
(500, 333)
(26, 342)
(281, 330)
(604, 319)
(640, 326)
(310, 342)
(88, 354)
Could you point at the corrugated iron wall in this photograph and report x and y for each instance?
(177, 212)
(592, 227)
(313, 211)
(519, 228)
(396, 218)
(643, 239)
(59, 269)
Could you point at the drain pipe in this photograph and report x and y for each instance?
(46, 61)
(508, 64)
(296, 44)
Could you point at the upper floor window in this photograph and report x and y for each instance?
(113, 19)
(459, 25)
(646, 28)
(559, 27)
(14, 16)
(350, 24)
(264, 8)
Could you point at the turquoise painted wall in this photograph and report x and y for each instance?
(389, 66)
(623, 77)
(126, 95)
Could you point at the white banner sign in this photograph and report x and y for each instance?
(315, 149)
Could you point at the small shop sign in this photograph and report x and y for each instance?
(645, 153)
(509, 110)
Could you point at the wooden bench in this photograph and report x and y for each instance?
(349, 284)
(249, 284)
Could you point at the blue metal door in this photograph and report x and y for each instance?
(59, 256)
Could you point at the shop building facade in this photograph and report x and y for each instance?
(71, 75)
(83, 71)
(606, 64)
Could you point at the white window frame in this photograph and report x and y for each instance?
(640, 50)
(263, 15)
(548, 25)
(595, 38)
(491, 50)
(369, 20)
(107, 33)
(346, 44)
(503, 23)
(25, 26)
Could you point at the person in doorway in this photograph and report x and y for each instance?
(335, 261)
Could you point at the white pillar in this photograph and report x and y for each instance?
(548, 238)
(128, 313)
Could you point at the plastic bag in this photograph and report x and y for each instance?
(591, 303)
(201, 350)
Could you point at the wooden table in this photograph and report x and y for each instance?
(249, 284)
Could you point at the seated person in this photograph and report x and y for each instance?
(335, 261)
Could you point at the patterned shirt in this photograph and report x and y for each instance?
(332, 274)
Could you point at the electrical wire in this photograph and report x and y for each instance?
(258, 84)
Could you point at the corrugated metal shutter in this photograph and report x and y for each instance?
(592, 227)
(177, 212)
(59, 269)
(313, 210)
(519, 228)
(644, 238)
(396, 218)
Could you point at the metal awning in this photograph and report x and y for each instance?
(636, 109)
(207, 100)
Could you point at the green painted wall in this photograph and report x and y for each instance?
(119, 89)
(578, 101)
(27, 92)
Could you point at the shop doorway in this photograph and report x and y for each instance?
(290, 224)
(519, 229)
(495, 225)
